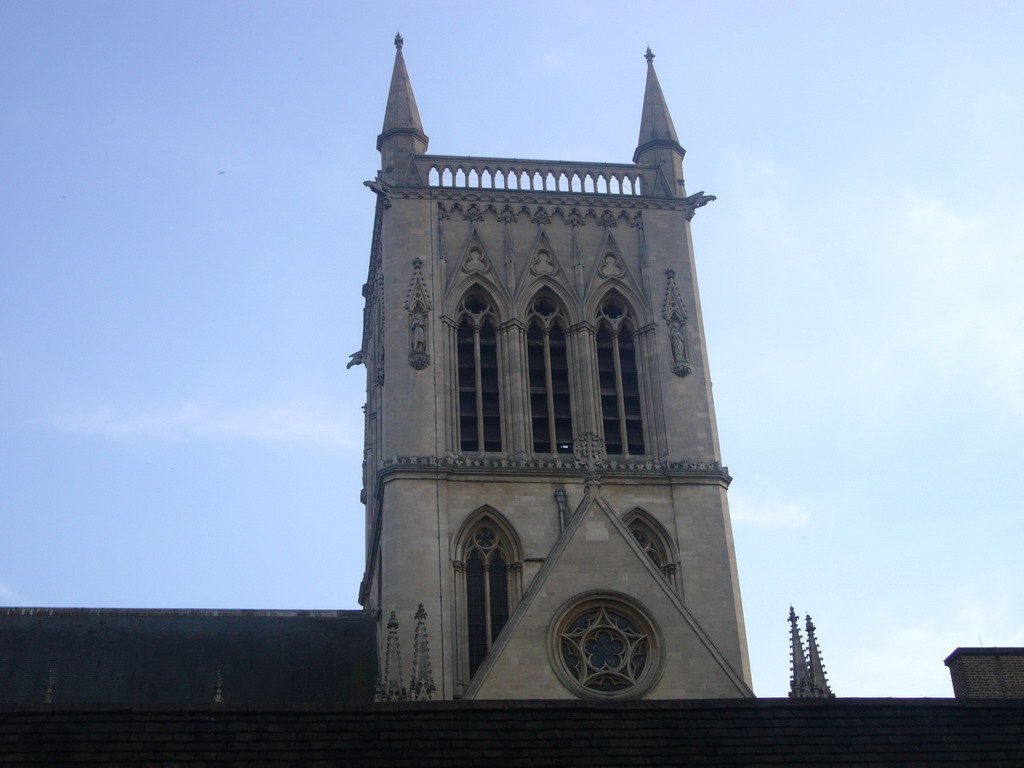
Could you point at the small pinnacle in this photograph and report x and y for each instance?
(399, 40)
(649, 56)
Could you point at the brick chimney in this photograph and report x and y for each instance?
(987, 673)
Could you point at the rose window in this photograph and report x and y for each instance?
(605, 648)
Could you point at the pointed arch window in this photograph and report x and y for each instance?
(477, 357)
(654, 542)
(548, 363)
(621, 408)
(491, 575)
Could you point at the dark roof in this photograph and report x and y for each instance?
(735, 733)
(174, 656)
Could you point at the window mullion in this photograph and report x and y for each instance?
(620, 393)
(550, 390)
(487, 601)
(478, 369)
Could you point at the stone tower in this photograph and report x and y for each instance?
(542, 468)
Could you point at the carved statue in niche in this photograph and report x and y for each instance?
(417, 302)
(674, 313)
(419, 337)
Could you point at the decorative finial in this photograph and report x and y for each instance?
(422, 686)
(218, 689)
(808, 681)
(649, 56)
(399, 41)
(389, 687)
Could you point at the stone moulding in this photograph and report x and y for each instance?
(514, 464)
(542, 198)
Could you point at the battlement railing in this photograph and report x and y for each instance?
(536, 175)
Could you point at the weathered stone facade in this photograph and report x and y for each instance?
(539, 422)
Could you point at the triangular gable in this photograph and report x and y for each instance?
(543, 267)
(611, 268)
(520, 665)
(475, 265)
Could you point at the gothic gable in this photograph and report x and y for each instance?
(626, 604)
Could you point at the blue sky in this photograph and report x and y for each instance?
(185, 232)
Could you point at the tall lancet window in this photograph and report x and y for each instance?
(551, 416)
(491, 567)
(477, 353)
(621, 409)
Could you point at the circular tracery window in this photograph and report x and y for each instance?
(605, 646)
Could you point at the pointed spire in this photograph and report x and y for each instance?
(389, 687)
(422, 686)
(799, 682)
(401, 116)
(656, 128)
(819, 684)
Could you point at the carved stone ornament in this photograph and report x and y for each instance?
(381, 190)
(541, 216)
(417, 302)
(473, 213)
(389, 685)
(575, 218)
(606, 646)
(591, 454)
(695, 201)
(543, 263)
(475, 261)
(608, 219)
(610, 266)
(418, 359)
(589, 449)
(674, 312)
(516, 464)
(507, 215)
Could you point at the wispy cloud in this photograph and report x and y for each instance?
(770, 513)
(276, 423)
(914, 302)
(9, 596)
(905, 656)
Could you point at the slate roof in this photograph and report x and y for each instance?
(152, 656)
(735, 733)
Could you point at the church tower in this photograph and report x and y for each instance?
(542, 469)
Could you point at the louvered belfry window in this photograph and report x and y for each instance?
(621, 409)
(548, 362)
(477, 352)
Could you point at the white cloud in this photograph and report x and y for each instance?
(954, 314)
(907, 661)
(912, 300)
(277, 423)
(767, 513)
